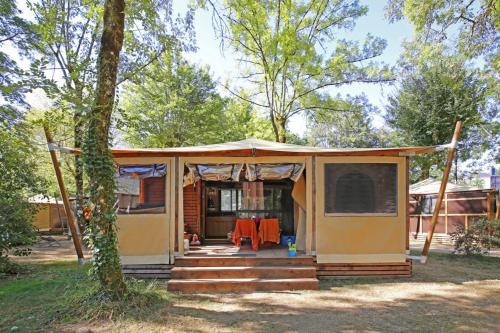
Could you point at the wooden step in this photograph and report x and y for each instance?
(365, 269)
(221, 261)
(235, 285)
(243, 272)
(147, 271)
(148, 276)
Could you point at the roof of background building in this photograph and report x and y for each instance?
(430, 186)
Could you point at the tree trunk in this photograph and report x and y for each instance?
(280, 129)
(97, 156)
(78, 136)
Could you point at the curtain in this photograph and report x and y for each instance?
(252, 196)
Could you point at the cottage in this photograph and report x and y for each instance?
(50, 216)
(346, 212)
(462, 204)
(345, 209)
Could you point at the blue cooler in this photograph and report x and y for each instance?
(284, 240)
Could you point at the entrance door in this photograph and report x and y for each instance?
(227, 201)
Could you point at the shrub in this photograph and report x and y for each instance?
(479, 238)
(18, 181)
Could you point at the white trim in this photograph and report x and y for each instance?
(360, 258)
(145, 260)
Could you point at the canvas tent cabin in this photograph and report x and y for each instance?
(348, 209)
(50, 216)
(462, 205)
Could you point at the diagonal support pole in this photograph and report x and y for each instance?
(452, 148)
(64, 195)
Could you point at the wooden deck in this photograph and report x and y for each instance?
(226, 268)
(239, 273)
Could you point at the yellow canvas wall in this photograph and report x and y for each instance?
(145, 238)
(362, 238)
(41, 220)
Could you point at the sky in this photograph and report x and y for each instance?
(223, 64)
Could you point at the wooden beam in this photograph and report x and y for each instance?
(64, 195)
(442, 189)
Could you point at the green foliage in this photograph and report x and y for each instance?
(432, 96)
(479, 238)
(60, 124)
(291, 50)
(18, 182)
(241, 121)
(14, 31)
(173, 103)
(346, 123)
(471, 25)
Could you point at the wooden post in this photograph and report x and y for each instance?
(64, 195)
(497, 216)
(449, 162)
(407, 176)
(489, 202)
(446, 213)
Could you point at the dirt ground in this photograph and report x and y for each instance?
(448, 294)
(415, 305)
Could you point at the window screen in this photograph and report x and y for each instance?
(352, 188)
(141, 189)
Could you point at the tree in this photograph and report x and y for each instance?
(98, 160)
(430, 99)
(242, 121)
(344, 129)
(66, 39)
(65, 45)
(291, 50)
(173, 103)
(474, 21)
(18, 181)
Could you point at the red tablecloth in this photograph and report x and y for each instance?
(269, 231)
(246, 228)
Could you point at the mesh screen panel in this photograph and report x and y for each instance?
(352, 188)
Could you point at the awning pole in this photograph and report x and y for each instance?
(452, 148)
(64, 195)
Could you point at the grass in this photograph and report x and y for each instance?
(449, 293)
(62, 292)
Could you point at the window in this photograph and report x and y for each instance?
(229, 200)
(361, 188)
(428, 204)
(141, 189)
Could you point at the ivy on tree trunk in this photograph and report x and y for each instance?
(97, 156)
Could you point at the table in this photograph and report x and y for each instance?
(269, 231)
(246, 228)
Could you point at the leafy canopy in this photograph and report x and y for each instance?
(173, 103)
(431, 98)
